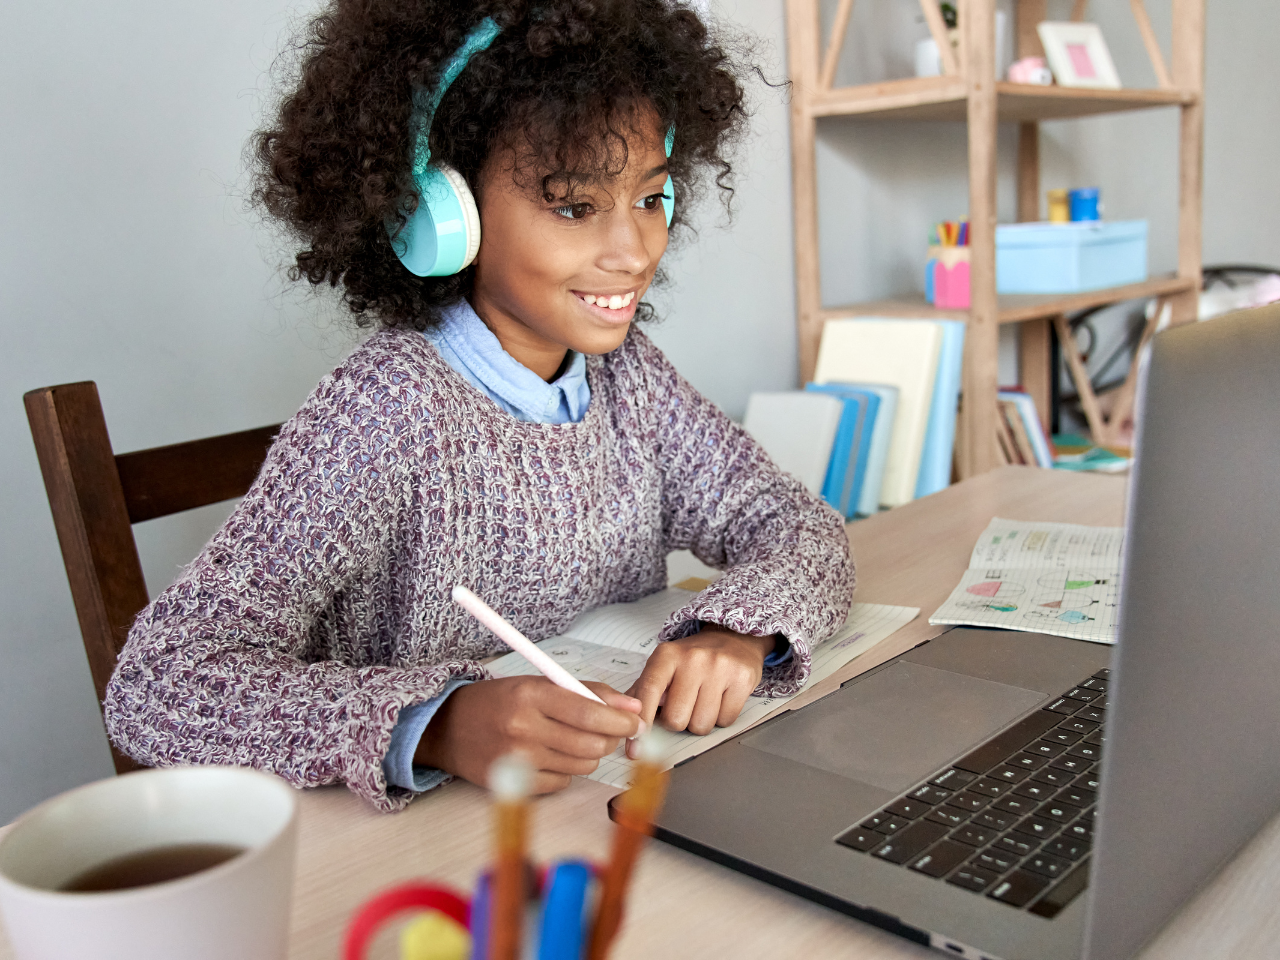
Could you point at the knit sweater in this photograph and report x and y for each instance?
(321, 608)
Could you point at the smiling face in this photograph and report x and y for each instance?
(566, 271)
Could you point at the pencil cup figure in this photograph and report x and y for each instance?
(491, 190)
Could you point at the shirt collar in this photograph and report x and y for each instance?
(472, 349)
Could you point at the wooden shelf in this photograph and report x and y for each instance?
(1016, 308)
(946, 98)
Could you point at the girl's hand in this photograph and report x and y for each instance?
(702, 681)
(562, 733)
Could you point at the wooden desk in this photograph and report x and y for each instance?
(682, 906)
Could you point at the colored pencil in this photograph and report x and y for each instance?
(511, 780)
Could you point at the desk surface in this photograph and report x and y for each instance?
(682, 906)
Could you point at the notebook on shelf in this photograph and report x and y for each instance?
(940, 437)
(798, 430)
(903, 354)
(851, 451)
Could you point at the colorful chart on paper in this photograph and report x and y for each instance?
(1056, 578)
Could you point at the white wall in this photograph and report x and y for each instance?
(128, 256)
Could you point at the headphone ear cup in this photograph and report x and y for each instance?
(470, 214)
(442, 236)
(669, 205)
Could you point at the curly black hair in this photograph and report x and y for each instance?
(336, 164)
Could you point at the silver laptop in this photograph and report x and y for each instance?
(1010, 796)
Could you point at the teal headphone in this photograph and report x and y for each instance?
(442, 236)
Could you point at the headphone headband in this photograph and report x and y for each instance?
(427, 101)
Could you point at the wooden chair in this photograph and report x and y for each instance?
(96, 497)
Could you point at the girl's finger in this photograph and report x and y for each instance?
(682, 697)
(651, 688)
(735, 698)
(707, 709)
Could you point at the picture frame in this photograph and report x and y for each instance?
(1078, 55)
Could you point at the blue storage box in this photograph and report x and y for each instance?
(1070, 257)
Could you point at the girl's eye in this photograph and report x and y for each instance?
(574, 211)
(652, 202)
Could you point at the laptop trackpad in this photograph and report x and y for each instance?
(896, 726)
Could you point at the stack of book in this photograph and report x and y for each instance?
(876, 427)
(1019, 431)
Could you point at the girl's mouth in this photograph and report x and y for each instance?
(607, 301)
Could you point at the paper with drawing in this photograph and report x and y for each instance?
(1058, 578)
(611, 644)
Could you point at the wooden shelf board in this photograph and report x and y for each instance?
(1014, 308)
(944, 98)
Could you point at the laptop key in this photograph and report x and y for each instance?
(929, 794)
(1079, 831)
(1014, 804)
(1064, 706)
(990, 788)
(973, 878)
(1095, 683)
(991, 820)
(941, 858)
(1034, 790)
(1088, 781)
(1076, 725)
(1002, 744)
(1066, 890)
(1049, 748)
(1041, 828)
(1060, 812)
(1064, 846)
(949, 816)
(1009, 774)
(1097, 738)
(1018, 888)
(1092, 712)
(910, 842)
(1077, 796)
(908, 808)
(1104, 673)
(860, 838)
(1085, 751)
(954, 779)
(1018, 844)
(1028, 761)
(973, 802)
(1071, 764)
(1081, 694)
(973, 835)
(885, 822)
(995, 860)
(1047, 865)
(1054, 777)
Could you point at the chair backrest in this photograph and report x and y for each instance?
(96, 497)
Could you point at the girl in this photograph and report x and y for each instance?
(507, 427)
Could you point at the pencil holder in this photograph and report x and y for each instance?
(947, 278)
(449, 927)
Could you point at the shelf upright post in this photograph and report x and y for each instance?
(804, 54)
(1035, 349)
(1188, 75)
(980, 452)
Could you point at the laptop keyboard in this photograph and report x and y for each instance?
(1011, 820)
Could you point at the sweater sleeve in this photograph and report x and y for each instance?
(230, 664)
(785, 554)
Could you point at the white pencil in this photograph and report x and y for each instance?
(521, 644)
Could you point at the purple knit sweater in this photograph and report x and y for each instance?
(322, 607)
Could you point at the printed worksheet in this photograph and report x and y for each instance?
(610, 645)
(1057, 578)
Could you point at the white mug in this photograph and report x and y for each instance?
(235, 910)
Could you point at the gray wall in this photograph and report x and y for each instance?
(128, 256)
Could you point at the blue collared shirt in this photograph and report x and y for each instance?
(470, 347)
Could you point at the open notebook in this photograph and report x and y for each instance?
(1058, 578)
(610, 645)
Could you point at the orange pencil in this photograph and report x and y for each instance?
(635, 812)
(510, 779)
